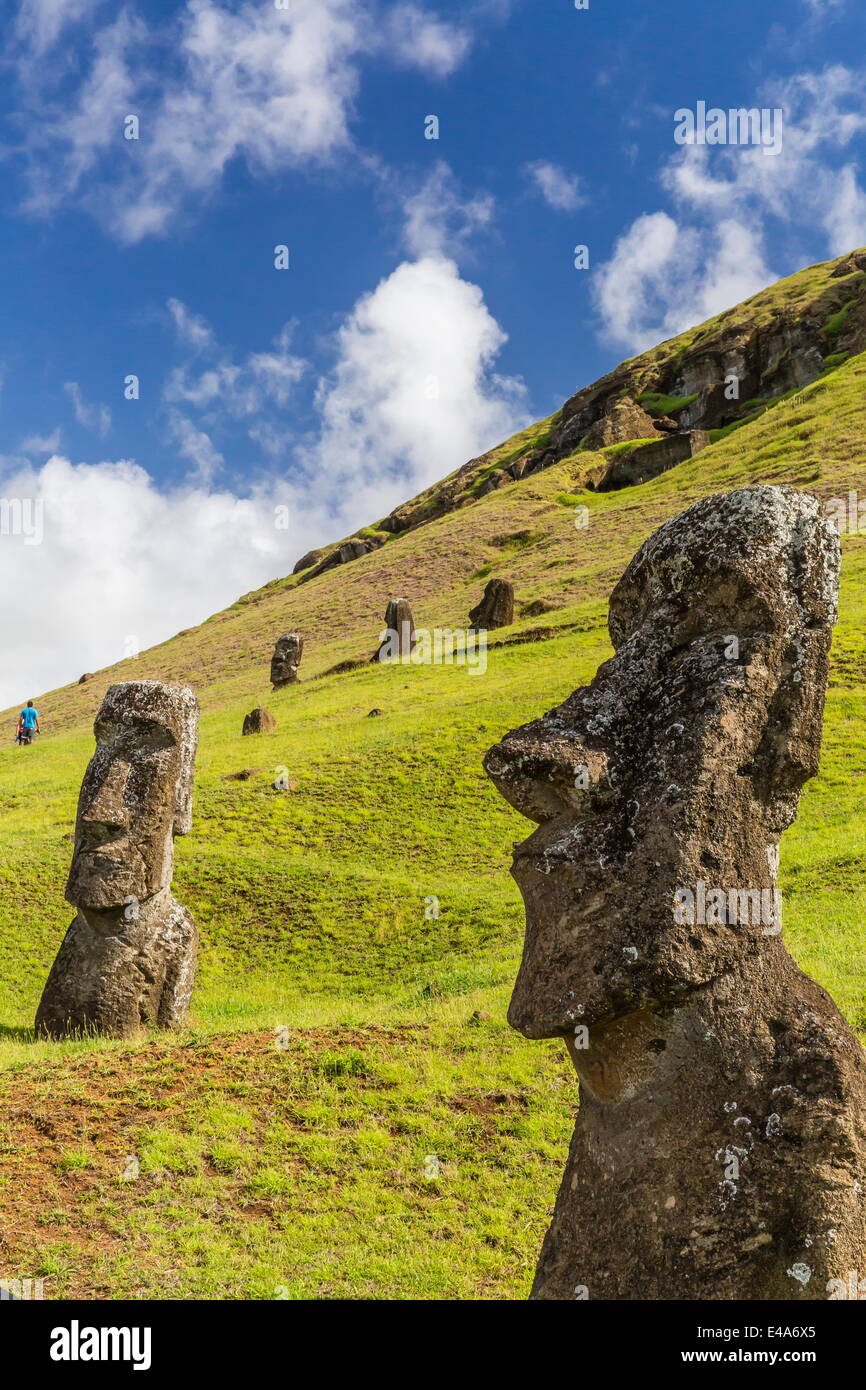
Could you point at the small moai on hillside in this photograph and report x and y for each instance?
(719, 1151)
(397, 641)
(259, 721)
(496, 607)
(286, 659)
(128, 959)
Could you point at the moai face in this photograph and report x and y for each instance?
(135, 796)
(680, 764)
(286, 658)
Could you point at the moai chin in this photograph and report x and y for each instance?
(720, 1147)
(128, 959)
(286, 659)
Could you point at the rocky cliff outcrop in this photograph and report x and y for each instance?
(717, 375)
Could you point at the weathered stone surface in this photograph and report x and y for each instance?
(286, 659)
(719, 1151)
(649, 460)
(496, 607)
(128, 959)
(343, 554)
(624, 420)
(311, 558)
(398, 638)
(259, 721)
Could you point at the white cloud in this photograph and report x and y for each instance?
(193, 330)
(438, 220)
(121, 562)
(41, 443)
(424, 41)
(663, 277)
(40, 23)
(275, 88)
(560, 190)
(414, 392)
(845, 217)
(219, 390)
(92, 417)
(671, 270)
(196, 447)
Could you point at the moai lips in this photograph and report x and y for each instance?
(720, 1140)
(128, 958)
(286, 659)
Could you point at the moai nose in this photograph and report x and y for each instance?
(107, 804)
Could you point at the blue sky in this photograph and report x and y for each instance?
(431, 305)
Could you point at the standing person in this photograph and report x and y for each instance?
(29, 722)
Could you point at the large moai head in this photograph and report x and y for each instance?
(679, 765)
(136, 795)
(286, 659)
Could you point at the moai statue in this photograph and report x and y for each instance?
(286, 659)
(496, 607)
(720, 1147)
(128, 959)
(398, 640)
(258, 721)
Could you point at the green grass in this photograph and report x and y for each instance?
(658, 404)
(836, 322)
(368, 919)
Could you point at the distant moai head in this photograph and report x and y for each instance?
(496, 606)
(286, 659)
(398, 639)
(681, 763)
(136, 794)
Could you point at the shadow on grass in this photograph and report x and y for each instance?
(24, 1035)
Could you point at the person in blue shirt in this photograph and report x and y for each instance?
(28, 723)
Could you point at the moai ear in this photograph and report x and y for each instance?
(188, 714)
(788, 754)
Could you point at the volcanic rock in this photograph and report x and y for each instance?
(720, 1146)
(127, 961)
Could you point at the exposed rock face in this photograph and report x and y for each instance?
(649, 460)
(720, 374)
(496, 608)
(311, 558)
(128, 959)
(259, 721)
(398, 638)
(343, 554)
(286, 659)
(720, 1147)
(625, 420)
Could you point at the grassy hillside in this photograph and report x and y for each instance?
(300, 1164)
